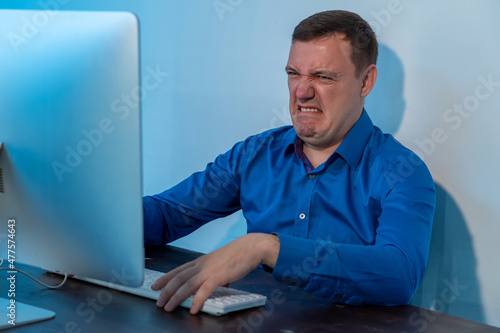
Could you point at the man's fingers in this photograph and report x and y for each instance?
(205, 274)
(180, 295)
(201, 296)
(163, 280)
(176, 285)
(183, 292)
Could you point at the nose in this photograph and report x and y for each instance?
(304, 90)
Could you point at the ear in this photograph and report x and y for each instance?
(369, 80)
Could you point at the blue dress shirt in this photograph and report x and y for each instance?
(356, 229)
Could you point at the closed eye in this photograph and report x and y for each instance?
(327, 77)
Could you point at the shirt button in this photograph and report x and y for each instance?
(312, 176)
(302, 216)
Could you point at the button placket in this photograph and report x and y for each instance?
(303, 205)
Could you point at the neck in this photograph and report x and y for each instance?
(318, 156)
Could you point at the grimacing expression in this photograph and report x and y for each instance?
(326, 96)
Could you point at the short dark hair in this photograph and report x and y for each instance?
(364, 46)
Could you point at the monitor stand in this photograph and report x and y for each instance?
(14, 314)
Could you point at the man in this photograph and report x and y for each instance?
(331, 204)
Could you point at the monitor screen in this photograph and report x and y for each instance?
(70, 166)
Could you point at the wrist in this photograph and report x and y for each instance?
(271, 250)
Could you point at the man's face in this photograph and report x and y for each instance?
(326, 96)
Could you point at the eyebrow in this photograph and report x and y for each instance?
(334, 75)
(318, 72)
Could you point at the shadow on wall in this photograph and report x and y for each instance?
(385, 103)
(450, 284)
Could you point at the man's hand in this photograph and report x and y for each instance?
(220, 267)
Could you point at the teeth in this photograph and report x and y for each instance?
(308, 110)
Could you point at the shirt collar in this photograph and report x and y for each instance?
(352, 147)
(290, 138)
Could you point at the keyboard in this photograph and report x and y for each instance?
(223, 300)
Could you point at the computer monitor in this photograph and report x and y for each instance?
(70, 166)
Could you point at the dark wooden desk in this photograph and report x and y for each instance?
(83, 307)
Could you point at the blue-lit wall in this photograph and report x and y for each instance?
(218, 66)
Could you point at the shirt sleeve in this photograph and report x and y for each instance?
(387, 272)
(203, 197)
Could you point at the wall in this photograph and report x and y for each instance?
(438, 92)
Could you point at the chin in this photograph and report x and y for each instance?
(306, 131)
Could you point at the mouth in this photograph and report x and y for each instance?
(308, 109)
